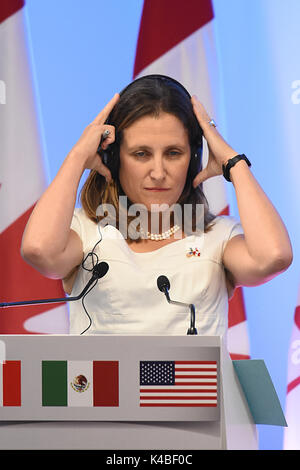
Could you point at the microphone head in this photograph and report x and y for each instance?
(163, 283)
(100, 269)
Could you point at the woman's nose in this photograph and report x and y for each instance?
(158, 171)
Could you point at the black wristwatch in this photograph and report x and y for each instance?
(231, 163)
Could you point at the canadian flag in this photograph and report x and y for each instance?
(177, 39)
(292, 407)
(22, 181)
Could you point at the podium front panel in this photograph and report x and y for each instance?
(110, 378)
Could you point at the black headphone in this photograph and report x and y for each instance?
(110, 156)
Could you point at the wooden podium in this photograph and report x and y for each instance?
(121, 392)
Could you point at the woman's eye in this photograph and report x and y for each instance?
(174, 153)
(168, 153)
(140, 154)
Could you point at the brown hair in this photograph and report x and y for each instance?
(148, 96)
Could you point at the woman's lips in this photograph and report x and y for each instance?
(157, 189)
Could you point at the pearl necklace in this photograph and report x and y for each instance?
(161, 236)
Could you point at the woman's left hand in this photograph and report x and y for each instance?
(219, 151)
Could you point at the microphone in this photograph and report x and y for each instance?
(99, 270)
(163, 284)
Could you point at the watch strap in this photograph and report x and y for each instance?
(231, 162)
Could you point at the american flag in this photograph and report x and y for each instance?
(178, 383)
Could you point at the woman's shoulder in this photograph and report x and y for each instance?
(81, 215)
(223, 221)
(224, 227)
(85, 227)
(81, 219)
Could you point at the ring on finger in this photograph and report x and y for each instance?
(212, 123)
(105, 133)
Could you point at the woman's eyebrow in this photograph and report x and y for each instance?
(138, 146)
(148, 147)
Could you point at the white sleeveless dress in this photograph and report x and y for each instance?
(127, 300)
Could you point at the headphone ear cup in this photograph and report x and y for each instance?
(110, 158)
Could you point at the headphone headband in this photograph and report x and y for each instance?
(160, 77)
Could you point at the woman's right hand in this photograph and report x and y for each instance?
(87, 146)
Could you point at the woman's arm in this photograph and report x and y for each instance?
(48, 244)
(264, 250)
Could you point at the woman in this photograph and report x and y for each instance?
(153, 142)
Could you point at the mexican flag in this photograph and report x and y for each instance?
(80, 383)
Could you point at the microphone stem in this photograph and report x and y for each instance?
(193, 315)
(47, 301)
(192, 330)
